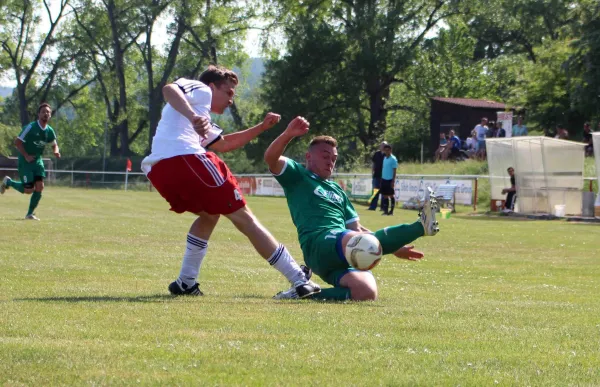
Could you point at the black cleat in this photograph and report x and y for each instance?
(183, 290)
(307, 271)
(300, 289)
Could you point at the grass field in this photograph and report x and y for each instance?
(83, 301)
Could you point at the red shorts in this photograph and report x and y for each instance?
(197, 183)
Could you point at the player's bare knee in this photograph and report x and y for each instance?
(363, 292)
(28, 191)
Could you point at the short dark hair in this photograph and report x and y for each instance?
(218, 75)
(509, 168)
(43, 105)
(387, 146)
(323, 140)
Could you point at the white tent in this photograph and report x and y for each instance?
(549, 172)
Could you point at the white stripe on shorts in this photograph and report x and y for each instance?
(210, 167)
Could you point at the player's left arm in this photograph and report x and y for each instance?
(55, 149)
(237, 140)
(54, 143)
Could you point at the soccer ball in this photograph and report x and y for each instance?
(363, 251)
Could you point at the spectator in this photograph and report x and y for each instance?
(388, 180)
(561, 133)
(472, 141)
(376, 173)
(442, 151)
(499, 130)
(511, 192)
(454, 145)
(587, 139)
(481, 131)
(519, 129)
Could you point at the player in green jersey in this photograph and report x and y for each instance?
(326, 220)
(31, 143)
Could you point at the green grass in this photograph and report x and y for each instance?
(83, 302)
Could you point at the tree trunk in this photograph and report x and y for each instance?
(23, 113)
(122, 126)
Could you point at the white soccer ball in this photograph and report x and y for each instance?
(363, 251)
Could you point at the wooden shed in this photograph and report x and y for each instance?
(460, 114)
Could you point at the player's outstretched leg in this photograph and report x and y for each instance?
(275, 253)
(394, 237)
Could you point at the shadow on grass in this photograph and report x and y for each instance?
(151, 298)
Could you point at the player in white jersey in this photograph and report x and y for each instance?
(193, 179)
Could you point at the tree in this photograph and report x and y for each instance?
(343, 58)
(32, 57)
(585, 62)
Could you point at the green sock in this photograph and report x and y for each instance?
(394, 237)
(35, 199)
(16, 185)
(332, 294)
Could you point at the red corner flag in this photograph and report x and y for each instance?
(128, 168)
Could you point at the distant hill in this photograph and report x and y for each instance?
(5, 91)
(257, 68)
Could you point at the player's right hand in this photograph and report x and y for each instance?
(298, 127)
(201, 125)
(29, 158)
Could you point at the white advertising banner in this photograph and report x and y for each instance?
(360, 188)
(268, 186)
(506, 118)
(409, 188)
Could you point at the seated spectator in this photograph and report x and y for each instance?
(511, 192)
(454, 144)
(472, 144)
(519, 129)
(561, 133)
(443, 150)
(587, 139)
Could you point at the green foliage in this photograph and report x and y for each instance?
(544, 88)
(7, 138)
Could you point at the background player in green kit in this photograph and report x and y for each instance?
(31, 143)
(326, 220)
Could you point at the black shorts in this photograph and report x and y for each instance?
(386, 188)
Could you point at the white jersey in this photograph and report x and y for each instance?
(481, 132)
(175, 135)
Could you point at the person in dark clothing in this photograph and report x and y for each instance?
(511, 193)
(376, 173)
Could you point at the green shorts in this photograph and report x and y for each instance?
(28, 171)
(324, 255)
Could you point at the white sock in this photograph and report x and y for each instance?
(192, 259)
(283, 261)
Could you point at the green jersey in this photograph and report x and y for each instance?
(315, 204)
(35, 138)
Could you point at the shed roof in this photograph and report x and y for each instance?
(470, 102)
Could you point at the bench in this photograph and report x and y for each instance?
(445, 195)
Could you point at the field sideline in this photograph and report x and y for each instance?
(83, 300)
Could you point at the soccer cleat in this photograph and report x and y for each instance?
(4, 186)
(300, 289)
(183, 290)
(427, 214)
(31, 217)
(307, 271)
